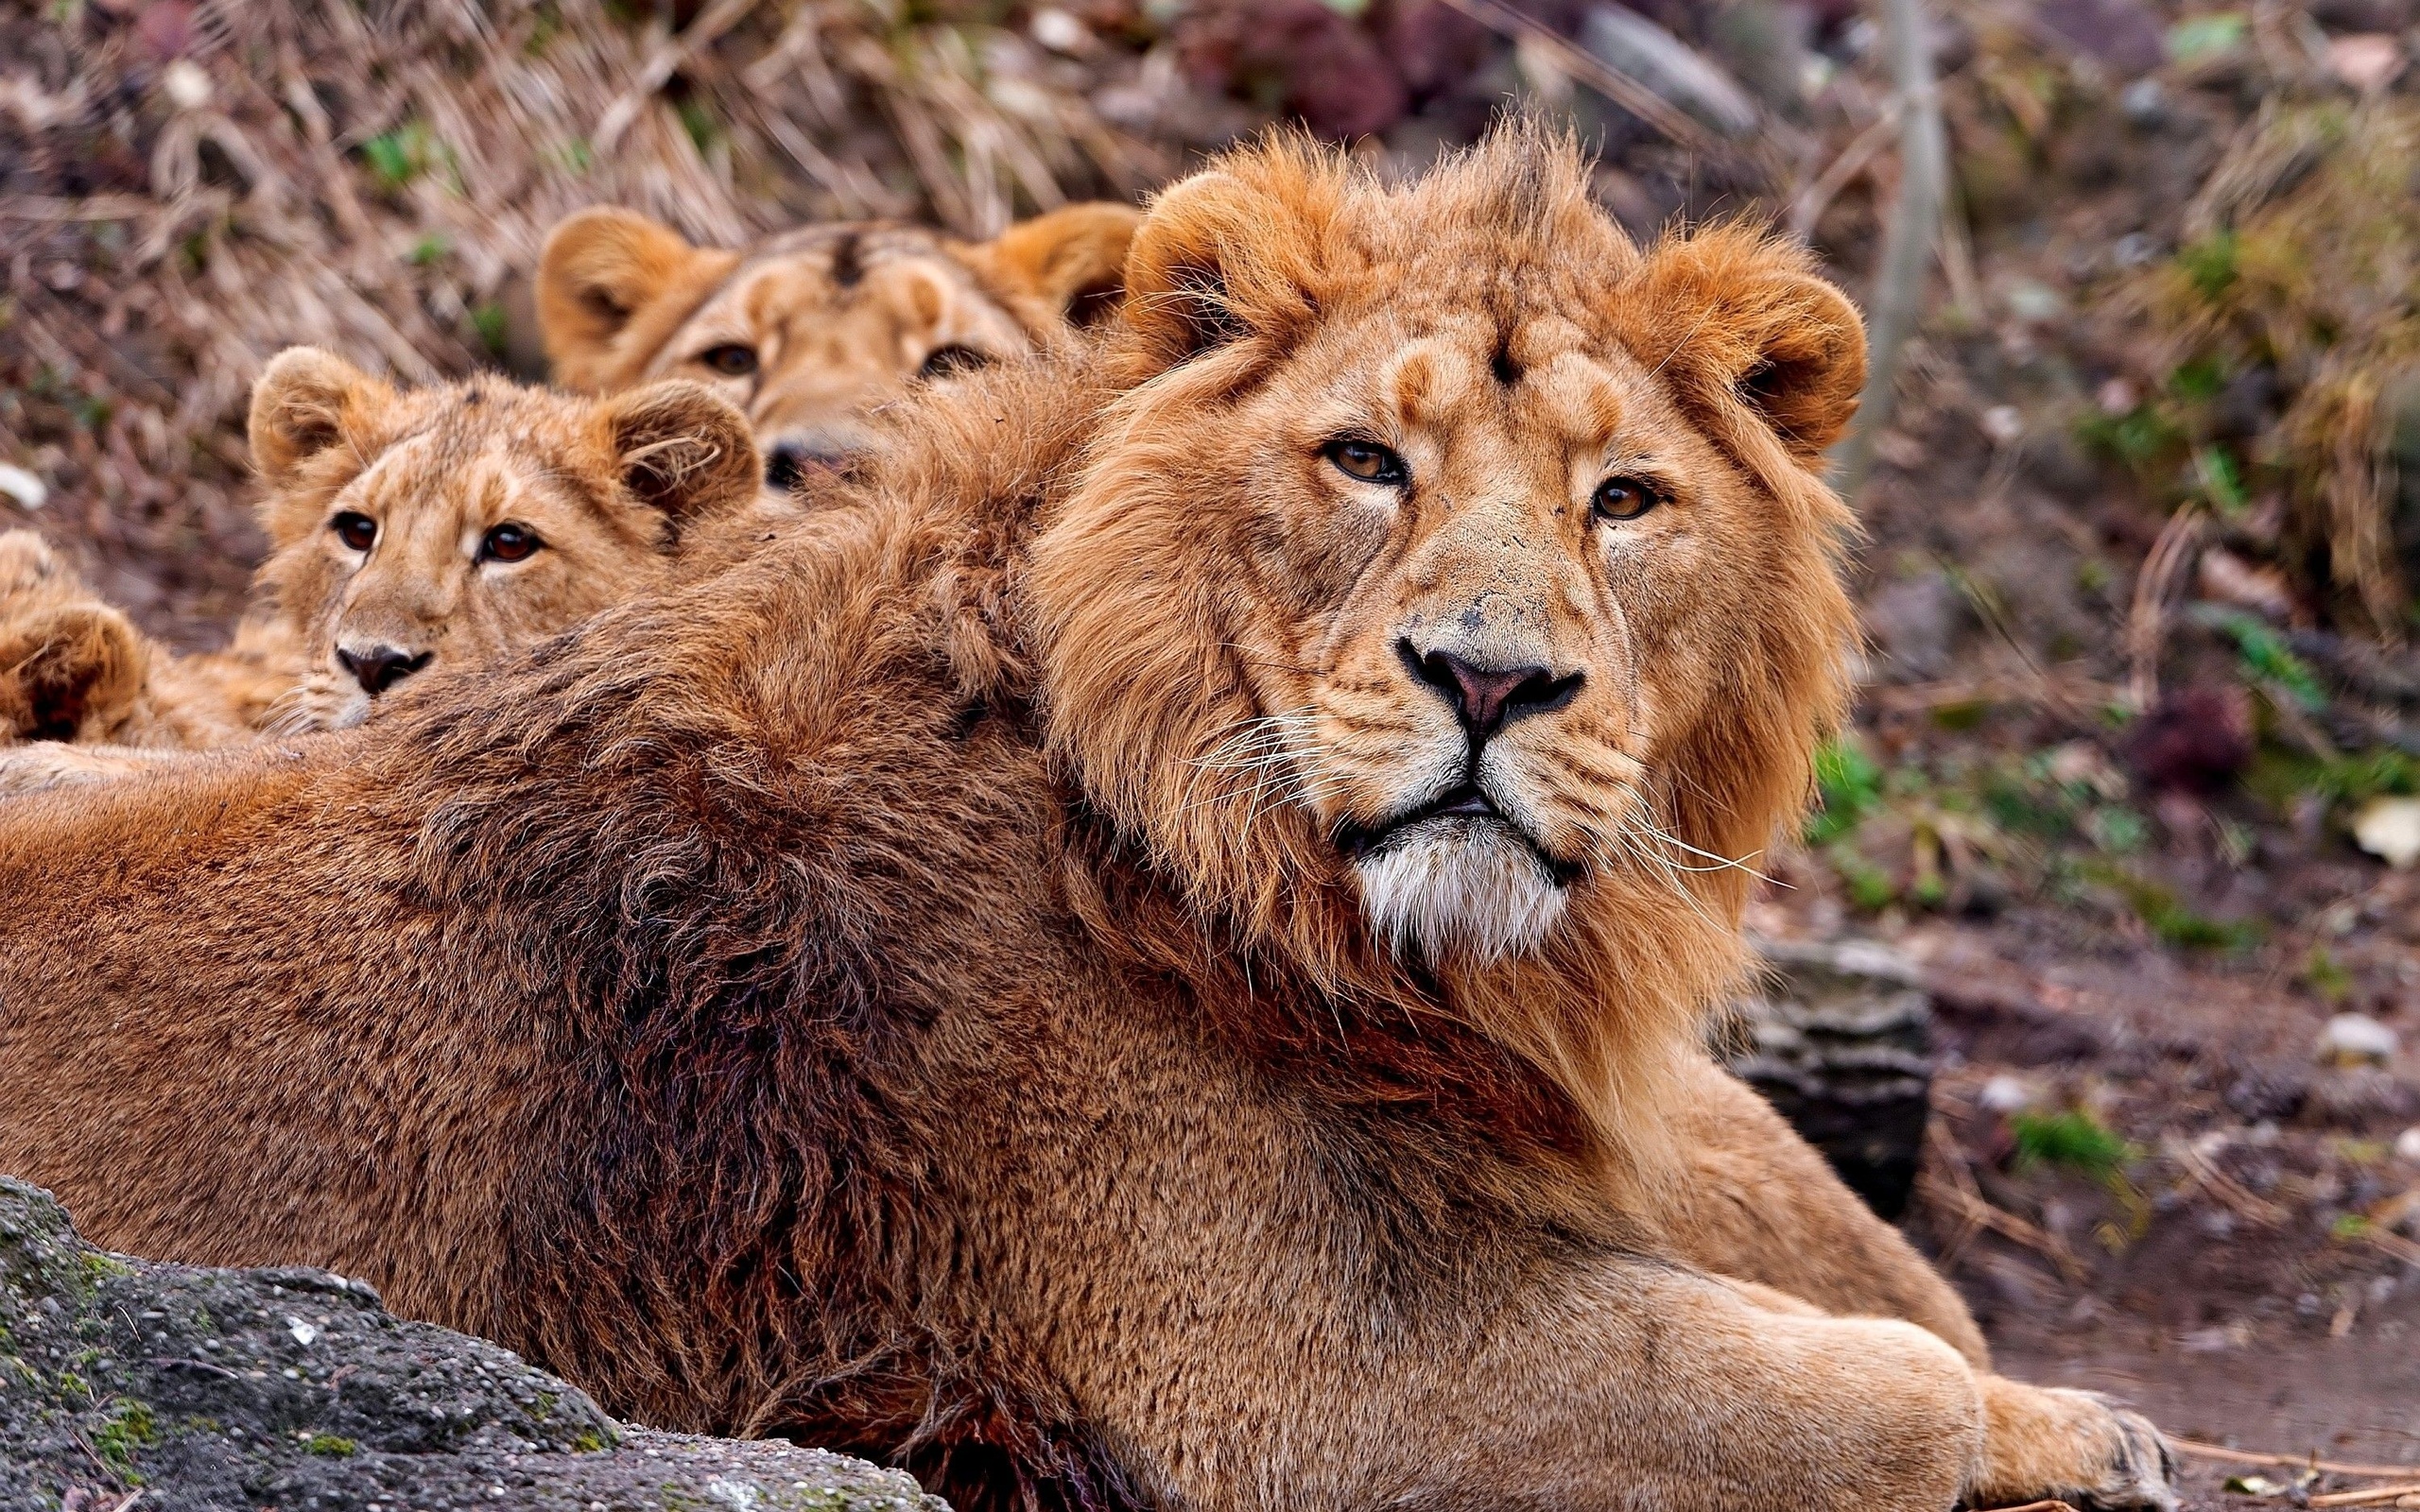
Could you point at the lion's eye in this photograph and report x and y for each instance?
(1369, 462)
(947, 362)
(731, 361)
(1625, 498)
(357, 531)
(509, 543)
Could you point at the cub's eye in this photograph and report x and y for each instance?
(731, 361)
(1369, 462)
(1625, 498)
(509, 544)
(357, 531)
(947, 361)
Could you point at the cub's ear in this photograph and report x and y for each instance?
(304, 403)
(683, 449)
(1735, 315)
(66, 669)
(1073, 259)
(601, 271)
(1233, 252)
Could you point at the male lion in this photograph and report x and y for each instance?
(812, 329)
(408, 529)
(1142, 958)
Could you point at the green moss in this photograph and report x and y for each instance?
(130, 1427)
(329, 1445)
(1849, 784)
(2074, 1139)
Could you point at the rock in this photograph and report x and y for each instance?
(2389, 827)
(2407, 1146)
(1840, 1043)
(1914, 624)
(24, 489)
(2356, 1039)
(221, 1389)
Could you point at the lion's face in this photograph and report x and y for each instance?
(1480, 548)
(1455, 561)
(450, 526)
(809, 331)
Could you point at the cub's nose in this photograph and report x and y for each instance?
(380, 667)
(1486, 698)
(792, 462)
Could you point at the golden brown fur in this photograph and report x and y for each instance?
(811, 331)
(382, 509)
(73, 668)
(939, 988)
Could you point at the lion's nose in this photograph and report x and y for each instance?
(1486, 698)
(380, 667)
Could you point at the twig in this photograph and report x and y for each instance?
(1975, 1212)
(2245, 1456)
(2373, 1496)
(2053, 687)
(96, 207)
(1908, 246)
(2231, 1194)
(2393, 1244)
(661, 66)
(2147, 619)
(1812, 201)
(1592, 71)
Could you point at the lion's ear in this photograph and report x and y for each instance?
(600, 270)
(304, 403)
(683, 449)
(1736, 315)
(1073, 259)
(1221, 256)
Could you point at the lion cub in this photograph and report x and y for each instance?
(409, 531)
(809, 331)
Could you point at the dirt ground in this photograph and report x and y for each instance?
(2140, 537)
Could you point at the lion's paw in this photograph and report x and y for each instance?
(2077, 1447)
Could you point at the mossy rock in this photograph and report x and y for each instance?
(239, 1389)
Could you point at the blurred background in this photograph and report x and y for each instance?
(2106, 923)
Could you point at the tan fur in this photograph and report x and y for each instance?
(909, 993)
(838, 319)
(614, 490)
(74, 668)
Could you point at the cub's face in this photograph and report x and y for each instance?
(810, 332)
(1489, 551)
(454, 526)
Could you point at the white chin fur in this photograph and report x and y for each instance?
(1459, 888)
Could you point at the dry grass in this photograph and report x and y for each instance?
(197, 186)
(2301, 259)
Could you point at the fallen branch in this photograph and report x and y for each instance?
(1909, 244)
(2245, 1456)
(2054, 687)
